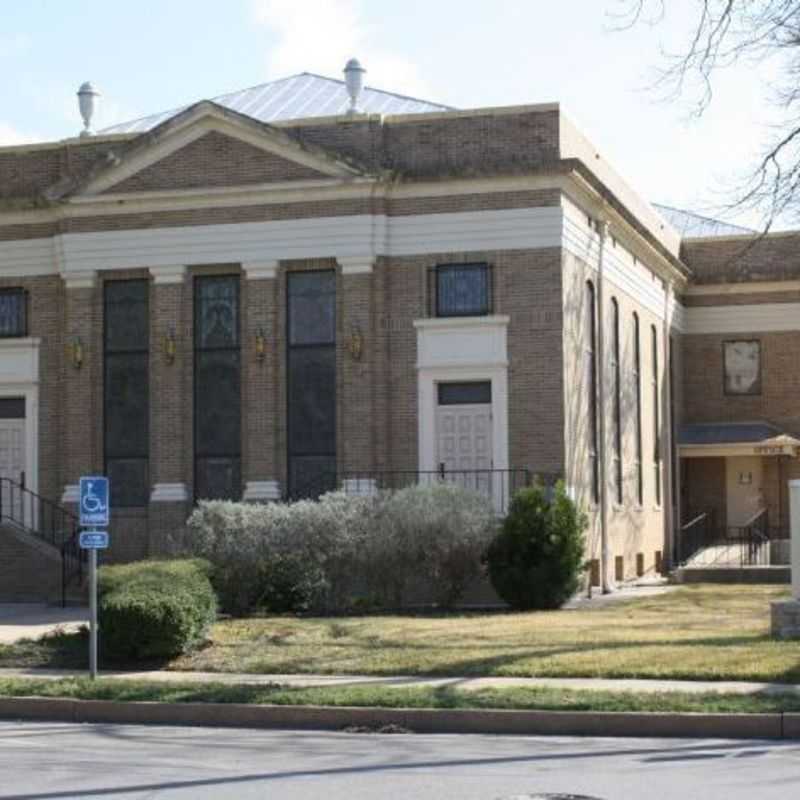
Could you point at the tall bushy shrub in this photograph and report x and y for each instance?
(440, 533)
(536, 560)
(324, 555)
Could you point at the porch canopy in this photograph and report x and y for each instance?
(723, 439)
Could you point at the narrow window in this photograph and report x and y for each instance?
(462, 290)
(617, 400)
(126, 323)
(637, 386)
(217, 388)
(311, 366)
(13, 313)
(656, 417)
(591, 390)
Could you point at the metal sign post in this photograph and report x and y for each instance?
(94, 511)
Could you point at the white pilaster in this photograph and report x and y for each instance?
(173, 273)
(260, 270)
(358, 265)
(794, 519)
(80, 279)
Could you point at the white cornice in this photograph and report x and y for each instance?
(454, 323)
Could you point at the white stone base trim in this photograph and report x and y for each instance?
(169, 493)
(360, 487)
(261, 491)
(72, 494)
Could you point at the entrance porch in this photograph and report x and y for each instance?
(733, 494)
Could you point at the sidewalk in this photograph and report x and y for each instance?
(404, 682)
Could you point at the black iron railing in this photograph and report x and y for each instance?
(498, 485)
(48, 522)
(702, 544)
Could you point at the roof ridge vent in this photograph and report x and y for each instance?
(87, 103)
(354, 81)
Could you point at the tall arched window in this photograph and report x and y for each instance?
(637, 386)
(616, 409)
(656, 417)
(591, 389)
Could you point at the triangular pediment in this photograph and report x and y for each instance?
(210, 147)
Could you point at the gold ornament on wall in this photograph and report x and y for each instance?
(261, 344)
(170, 345)
(76, 352)
(355, 343)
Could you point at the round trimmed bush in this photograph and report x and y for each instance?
(536, 560)
(154, 609)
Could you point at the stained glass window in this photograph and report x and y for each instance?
(462, 290)
(13, 312)
(217, 388)
(311, 367)
(126, 391)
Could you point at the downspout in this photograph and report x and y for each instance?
(667, 401)
(605, 556)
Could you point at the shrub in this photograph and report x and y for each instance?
(537, 558)
(439, 532)
(281, 557)
(331, 554)
(154, 609)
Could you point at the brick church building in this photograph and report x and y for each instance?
(311, 284)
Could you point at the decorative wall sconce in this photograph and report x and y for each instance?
(355, 343)
(76, 352)
(170, 347)
(261, 344)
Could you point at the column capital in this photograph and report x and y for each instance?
(260, 270)
(356, 265)
(80, 279)
(172, 273)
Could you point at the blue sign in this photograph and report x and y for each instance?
(93, 540)
(94, 501)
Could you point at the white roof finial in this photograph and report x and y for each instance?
(87, 103)
(354, 80)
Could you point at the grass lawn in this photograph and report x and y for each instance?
(385, 697)
(697, 632)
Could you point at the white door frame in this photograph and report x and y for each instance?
(455, 350)
(19, 377)
(428, 381)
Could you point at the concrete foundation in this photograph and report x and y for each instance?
(786, 619)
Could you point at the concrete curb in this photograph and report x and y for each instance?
(575, 723)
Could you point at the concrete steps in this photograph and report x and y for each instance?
(30, 570)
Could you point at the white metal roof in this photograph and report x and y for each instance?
(689, 224)
(296, 97)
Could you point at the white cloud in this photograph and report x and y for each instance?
(9, 135)
(321, 35)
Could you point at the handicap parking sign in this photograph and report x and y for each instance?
(94, 500)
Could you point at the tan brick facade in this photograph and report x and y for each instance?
(411, 194)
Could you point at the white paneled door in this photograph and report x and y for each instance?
(464, 445)
(12, 464)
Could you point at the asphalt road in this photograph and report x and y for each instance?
(40, 761)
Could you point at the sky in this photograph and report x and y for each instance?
(151, 56)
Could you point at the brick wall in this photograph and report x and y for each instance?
(736, 259)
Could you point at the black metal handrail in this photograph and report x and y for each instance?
(48, 522)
